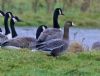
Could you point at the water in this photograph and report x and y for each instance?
(90, 35)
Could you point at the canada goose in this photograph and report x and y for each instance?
(3, 38)
(7, 34)
(56, 46)
(40, 29)
(23, 42)
(55, 32)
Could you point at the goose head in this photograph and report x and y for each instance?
(2, 13)
(16, 19)
(39, 30)
(58, 11)
(69, 24)
(8, 15)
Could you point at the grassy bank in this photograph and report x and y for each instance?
(23, 9)
(27, 63)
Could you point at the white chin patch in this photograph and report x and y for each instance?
(14, 20)
(1, 14)
(43, 28)
(60, 12)
(73, 24)
(9, 14)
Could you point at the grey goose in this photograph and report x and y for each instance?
(57, 46)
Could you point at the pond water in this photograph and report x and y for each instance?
(90, 35)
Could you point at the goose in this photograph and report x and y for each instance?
(7, 34)
(57, 46)
(41, 28)
(7, 30)
(55, 32)
(3, 38)
(23, 42)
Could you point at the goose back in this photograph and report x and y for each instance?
(22, 42)
(49, 34)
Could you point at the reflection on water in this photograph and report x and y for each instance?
(90, 35)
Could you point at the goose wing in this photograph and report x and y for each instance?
(23, 42)
(51, 33)
(52, 45)
(2, 38)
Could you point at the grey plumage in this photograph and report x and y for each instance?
(57, 46)
(2, 38)
(22, 42)
(51, 33)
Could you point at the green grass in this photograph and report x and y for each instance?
(27, 63)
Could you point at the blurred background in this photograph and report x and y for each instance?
(85, 13)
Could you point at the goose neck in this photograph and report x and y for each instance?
(7, 31)
(55, 21)
(13, 31)
(66, 33)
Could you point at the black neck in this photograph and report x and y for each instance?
(38, 32)
(55, 20)
(0, 30)
(7, 31)
(66, 33)
(14, 33)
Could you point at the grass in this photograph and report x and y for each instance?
(26, 63)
